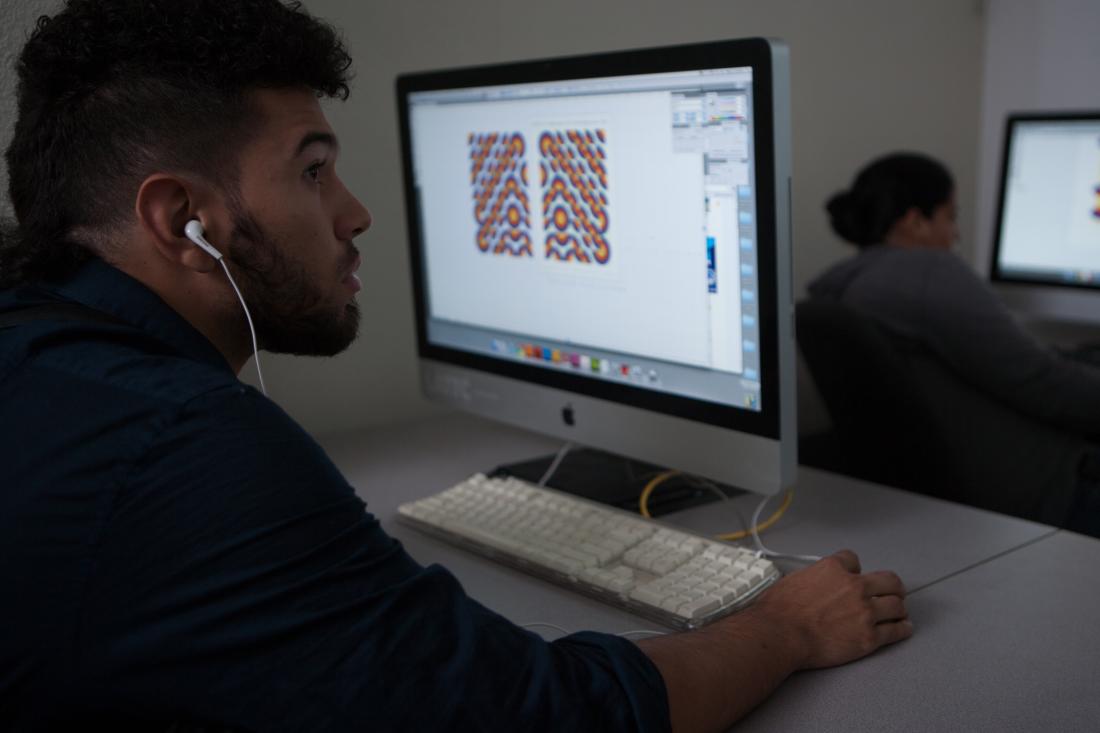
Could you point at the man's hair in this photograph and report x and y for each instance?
(111, 91)
(883, 191)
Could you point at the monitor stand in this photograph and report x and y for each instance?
(611, 479)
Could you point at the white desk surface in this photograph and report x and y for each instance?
(1010, 645)
(1006, 611)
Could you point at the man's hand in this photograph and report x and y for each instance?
(823, 615)
(835, 613)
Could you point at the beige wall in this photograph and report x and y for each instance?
(1037, 57)
(16, 20)
(868, 76)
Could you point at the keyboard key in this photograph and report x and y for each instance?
(650, 595)
(698, 608)
(673, 604)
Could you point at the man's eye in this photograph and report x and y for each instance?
(314, 171)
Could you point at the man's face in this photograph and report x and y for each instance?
(293, 225)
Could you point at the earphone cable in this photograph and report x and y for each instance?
(251, 328)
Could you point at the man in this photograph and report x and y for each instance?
(172, 546)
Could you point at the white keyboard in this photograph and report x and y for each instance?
(675, 577)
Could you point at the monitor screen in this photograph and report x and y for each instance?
(599, 227)
(604, 226)
(1048, 226)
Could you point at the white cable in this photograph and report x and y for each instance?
(755, 523)
(713, 487)
(555, 463)
(761, 550)
(251, 328)
(543, 623)
(624, 634)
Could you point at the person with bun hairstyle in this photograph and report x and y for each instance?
(905, 200)
(900, 213)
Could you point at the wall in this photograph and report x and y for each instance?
(1038, 57)
(16, 21)
(868, 76)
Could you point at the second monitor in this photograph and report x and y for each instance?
(1046, 252)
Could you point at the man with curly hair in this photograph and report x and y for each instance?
(174, 549)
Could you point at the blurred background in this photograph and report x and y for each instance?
(868, 77)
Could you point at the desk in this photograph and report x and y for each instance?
(1005, 610)
(1010, 645)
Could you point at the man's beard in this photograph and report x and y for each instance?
(291, 315)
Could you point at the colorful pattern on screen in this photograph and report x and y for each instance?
(574, 195)
(498, 174)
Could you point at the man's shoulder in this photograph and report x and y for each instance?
(115, 359)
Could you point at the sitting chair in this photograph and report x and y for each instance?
(903, 418)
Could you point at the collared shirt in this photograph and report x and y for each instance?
(174, 547)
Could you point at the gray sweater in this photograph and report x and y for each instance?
(932, 297)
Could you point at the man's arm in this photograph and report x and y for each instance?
(240, 582)
(821, 616)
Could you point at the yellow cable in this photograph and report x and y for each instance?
(643, 500)
(643, 508)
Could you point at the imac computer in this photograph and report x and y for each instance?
(1046, 251)
(600, 251)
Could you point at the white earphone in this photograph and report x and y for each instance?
(194, 231)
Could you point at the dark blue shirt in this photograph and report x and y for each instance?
(174, 547)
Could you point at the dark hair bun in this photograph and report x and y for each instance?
(883, 192)
(842, 217)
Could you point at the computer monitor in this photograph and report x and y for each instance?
(600, 251)
(1046, 251)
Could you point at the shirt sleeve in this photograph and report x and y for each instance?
(967, 325)
(238, 580)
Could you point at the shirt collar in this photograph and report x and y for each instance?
(105, 288)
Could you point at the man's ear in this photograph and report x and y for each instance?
(164, 205)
